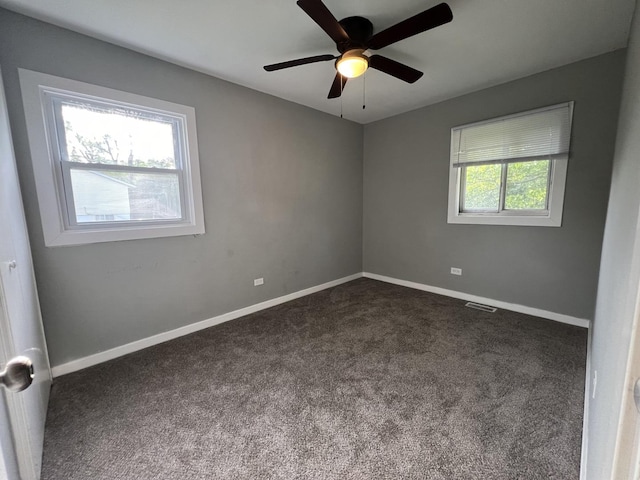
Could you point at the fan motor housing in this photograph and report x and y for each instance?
(359, 29)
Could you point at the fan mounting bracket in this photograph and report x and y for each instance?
(359, 29)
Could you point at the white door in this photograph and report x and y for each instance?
(22, 414)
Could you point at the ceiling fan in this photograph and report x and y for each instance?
(354, 35)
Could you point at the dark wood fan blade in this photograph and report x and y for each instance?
(320, 14)
(300, 61)
(434, 17)
(338, 86)
(395, 69)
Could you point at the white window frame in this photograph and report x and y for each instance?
(56, 206)
(551, 217)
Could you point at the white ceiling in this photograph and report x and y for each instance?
(489, 42)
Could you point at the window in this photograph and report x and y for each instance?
(110, 165)
(511, 170)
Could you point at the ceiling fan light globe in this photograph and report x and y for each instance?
(352, 65)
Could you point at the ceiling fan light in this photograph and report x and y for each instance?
(352, 64)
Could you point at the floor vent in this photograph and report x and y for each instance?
(479, 306)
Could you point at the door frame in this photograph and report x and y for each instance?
(626, 454)
(626, 460)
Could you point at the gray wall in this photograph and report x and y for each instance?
(406, 173)
(282, 187)
(619, 274)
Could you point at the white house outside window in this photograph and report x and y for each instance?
(511, 170)
(110, 165)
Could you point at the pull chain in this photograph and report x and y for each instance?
(364, 87)
(341, 89)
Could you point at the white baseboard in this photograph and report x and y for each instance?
(116, 352)
(514, 307)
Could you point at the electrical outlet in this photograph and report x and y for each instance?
(595, 383)
(258, 281)
(456, 271)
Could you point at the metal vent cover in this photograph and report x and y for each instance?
(479, 306)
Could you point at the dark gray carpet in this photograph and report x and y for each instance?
(363, 381)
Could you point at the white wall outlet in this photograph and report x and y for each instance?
(258, 281)
(595, 383)
(456, 271)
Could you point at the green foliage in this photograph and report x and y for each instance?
(526, 186)
(482, 187)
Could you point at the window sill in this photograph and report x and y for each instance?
(115, 234)
(514, 220)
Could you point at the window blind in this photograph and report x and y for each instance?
(538, 134)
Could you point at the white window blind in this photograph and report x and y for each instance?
(534, 135)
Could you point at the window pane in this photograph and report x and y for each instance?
(482, 188)
(117, 136)
(527, 184)
(100, 196)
